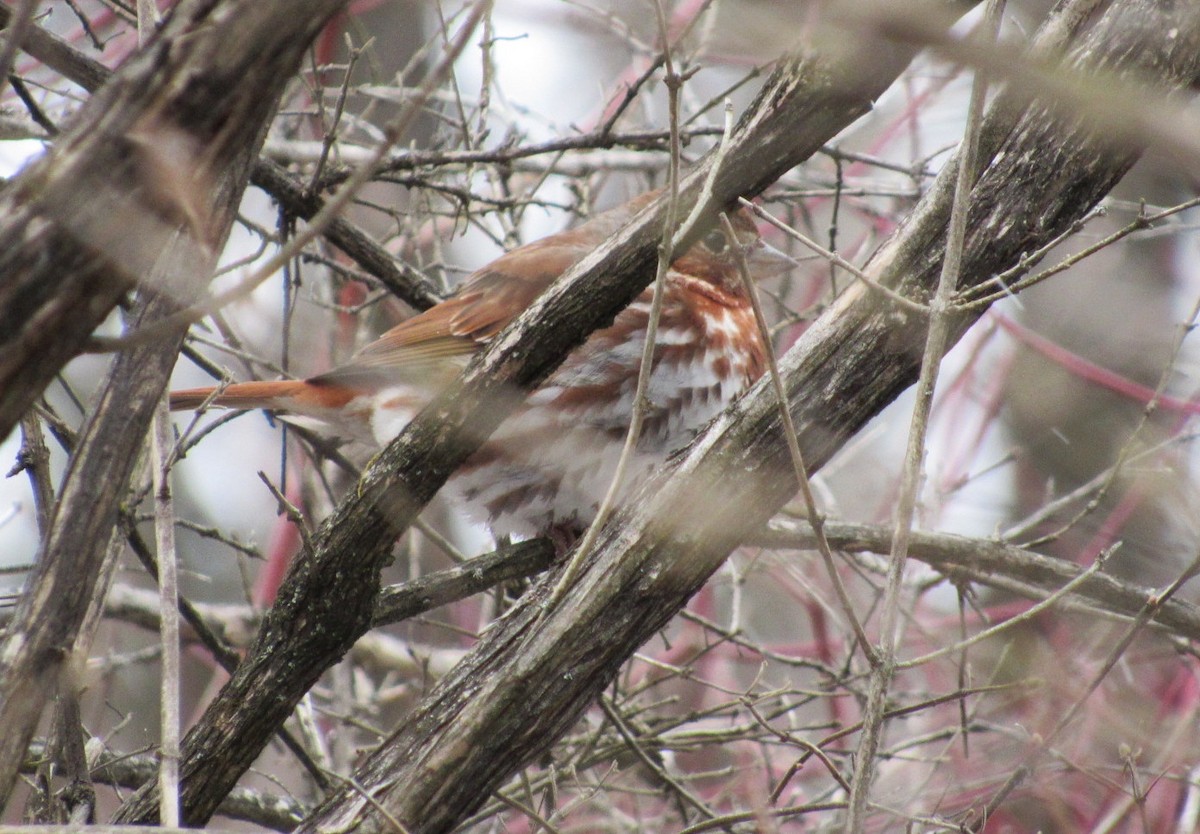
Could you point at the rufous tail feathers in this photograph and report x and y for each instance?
(281, 395)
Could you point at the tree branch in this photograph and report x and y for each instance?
(162, 154)
(530, 677)
(1002, 566)
(323, 605)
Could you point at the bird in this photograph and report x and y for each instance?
(545, 470)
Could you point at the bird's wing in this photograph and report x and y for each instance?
(442, 338)
(450, 332)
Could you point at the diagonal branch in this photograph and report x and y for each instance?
(146, 150)
(1003, 566)
(323, 605)
(530, 677)
(141, 190)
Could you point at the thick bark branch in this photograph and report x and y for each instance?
(142, 188)
(322, 607)
(287, 189)
(237, 624)
(144, 156)
(530, 677)
(405, 283)
(279, 813)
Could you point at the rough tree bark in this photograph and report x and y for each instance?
(286, 188)
(474, 735)
(140, 191)
(529, 678)
(321, 608)
(203, 98)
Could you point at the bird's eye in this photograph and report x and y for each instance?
(715, 241)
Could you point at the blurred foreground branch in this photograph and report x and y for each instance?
(140, 192)
(322, 606)
(531, 676)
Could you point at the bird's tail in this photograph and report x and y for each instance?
(290, 395)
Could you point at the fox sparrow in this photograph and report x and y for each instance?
(549, 464)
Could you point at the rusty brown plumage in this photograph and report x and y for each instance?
(548, 465)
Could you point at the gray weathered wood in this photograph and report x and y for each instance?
(529, 678)
(140, 191)
(79, 227)
(322, 608)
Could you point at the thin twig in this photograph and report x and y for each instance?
(331, 133)
(610, 710)
(1023, 617)
(935, 347)
(838, 260)
(1181, 332)
(393, 133)
(162, 445)
(971, 301)
(646, 367)
(1042, 743)
(815, 517)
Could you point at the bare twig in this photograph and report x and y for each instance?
(837, 260)
(649, 346)
(162, 444)
(914, 458)
(1041, 743)
(393, 133)
(815, 516)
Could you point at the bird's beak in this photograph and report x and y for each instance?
(765, 261)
